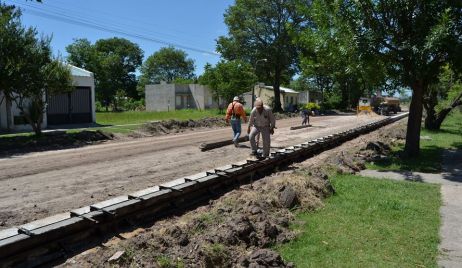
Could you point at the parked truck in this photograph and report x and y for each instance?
(386, 105)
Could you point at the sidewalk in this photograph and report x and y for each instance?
(451, 210)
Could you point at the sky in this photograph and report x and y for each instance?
(190, 25)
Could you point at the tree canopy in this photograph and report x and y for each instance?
(414, 39)
(168, 64)
(113, 61)
(28, 70)
(261, 29)
(228, 78)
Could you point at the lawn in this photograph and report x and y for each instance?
(139, 117)
(448, 137)
(370, 223)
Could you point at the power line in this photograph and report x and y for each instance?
(76, 14)
(90, 24)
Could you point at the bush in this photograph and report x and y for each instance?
(311, 106)
(99, 106)
(133, 105)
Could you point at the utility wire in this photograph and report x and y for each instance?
(77, 14)
(90, 24)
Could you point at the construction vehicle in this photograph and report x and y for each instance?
(386, 105)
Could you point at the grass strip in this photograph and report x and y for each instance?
(370, 223)
(432, 145)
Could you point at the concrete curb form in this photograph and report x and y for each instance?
(213, 145)
(300, 127)
(60, 236)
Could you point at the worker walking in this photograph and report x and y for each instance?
(261, 121)
(234, 113)
(305, 116)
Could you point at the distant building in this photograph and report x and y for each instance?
(288, 97)
(170, 97)
(77, 106)
(309, 96)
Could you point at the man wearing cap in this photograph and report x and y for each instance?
(261, 121)
(234, 113)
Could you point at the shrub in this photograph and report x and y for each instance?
(312, 106)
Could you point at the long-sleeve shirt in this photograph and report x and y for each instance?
(263, 119)
(238, 110)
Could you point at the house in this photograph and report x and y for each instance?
(77, 106)
(309, 96)
(288, 97)
(170, 97)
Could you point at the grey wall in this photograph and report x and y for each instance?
(193, 96)
(160, 97)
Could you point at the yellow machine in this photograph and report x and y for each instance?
(364, 106)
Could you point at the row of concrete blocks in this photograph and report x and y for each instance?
(60, 236)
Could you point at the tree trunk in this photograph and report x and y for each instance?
(412, 147)
(277, 92)
(434, 120)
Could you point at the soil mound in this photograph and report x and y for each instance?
(175, 126)
(236, 230)
(56, 140)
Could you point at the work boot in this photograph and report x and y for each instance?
(236, 143)
(254, 153)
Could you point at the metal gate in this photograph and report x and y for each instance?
(70, 108)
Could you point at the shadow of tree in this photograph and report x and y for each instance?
(429, 161)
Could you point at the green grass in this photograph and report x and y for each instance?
(139, 117)
(430, 159)
(370, 223)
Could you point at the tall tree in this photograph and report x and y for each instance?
(228, 78)
(260, 29)
(331, 57)
(168, 64)
(415, 38)
(28, 71)
(114, 62)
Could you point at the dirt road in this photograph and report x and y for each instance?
(38, 185)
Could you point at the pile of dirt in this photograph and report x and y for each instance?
(236, 230)
(353, 160)
(56, 140)
(175, 126)
(240, 228)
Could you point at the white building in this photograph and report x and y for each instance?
(77, 106)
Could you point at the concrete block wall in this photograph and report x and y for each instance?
(160, 97)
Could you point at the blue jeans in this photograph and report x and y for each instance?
(236, 126)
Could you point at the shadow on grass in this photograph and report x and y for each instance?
(447, 131)
(457, 145)
(429, 161)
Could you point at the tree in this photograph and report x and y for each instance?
(228, 78)
(113, 61)
(414, 39)
(441, 98)
(28, 71)
(331, 58)
(168, 64)
(261, 29)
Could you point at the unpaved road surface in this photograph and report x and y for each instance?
(38, 185)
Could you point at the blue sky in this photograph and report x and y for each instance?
(192, 25)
